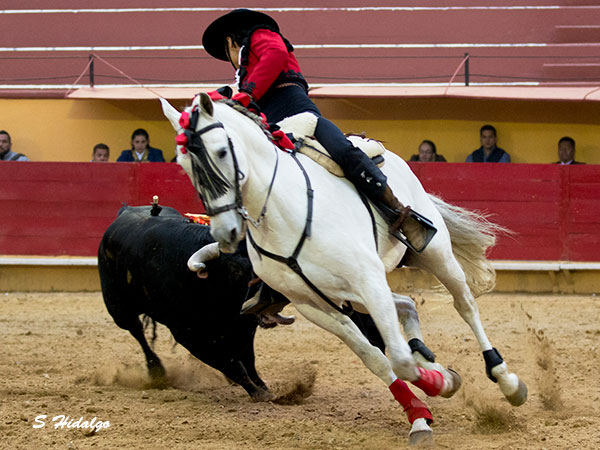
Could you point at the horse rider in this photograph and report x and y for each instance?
(268, 74)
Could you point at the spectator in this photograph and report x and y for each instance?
(100, 153)
(488, 152)
(141, 150)
(566, 151)
(427, 153)
(6, 154)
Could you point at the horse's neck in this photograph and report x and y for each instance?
(286, 206)
(256, 155)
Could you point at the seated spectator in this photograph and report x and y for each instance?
(566, 151)
(6, 154)
(100, 153)
(141, 150)
(427, 153)
(488, 152)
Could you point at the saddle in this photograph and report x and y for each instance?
(302, 127)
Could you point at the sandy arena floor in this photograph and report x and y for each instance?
(61, 354)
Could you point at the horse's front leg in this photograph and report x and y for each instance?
(340, 325)
(378, 300)
(453, 278)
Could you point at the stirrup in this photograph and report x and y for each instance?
(391, 215)
(427, 225)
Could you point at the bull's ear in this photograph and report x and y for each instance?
(171, 113)
(206, 104)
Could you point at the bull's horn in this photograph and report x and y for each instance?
(197, 261)
(171, 113)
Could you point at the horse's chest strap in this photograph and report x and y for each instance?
(292, 261)
(293, 264)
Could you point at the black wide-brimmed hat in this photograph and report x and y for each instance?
(213, 38)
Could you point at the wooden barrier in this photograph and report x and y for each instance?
(553, 210)
(63, 208)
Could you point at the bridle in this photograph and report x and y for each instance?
(193, 143)
(196, 146)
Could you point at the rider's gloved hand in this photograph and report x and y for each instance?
(244, 99)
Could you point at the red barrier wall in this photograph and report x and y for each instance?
(64, 208)
(553, 210)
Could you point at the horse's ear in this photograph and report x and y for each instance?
(206, 104)
(171, 113)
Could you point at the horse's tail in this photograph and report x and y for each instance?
(471, 234)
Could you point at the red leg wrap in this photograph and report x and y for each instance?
(413, 407)
(431, 382)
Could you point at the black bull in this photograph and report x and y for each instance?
(142, 262)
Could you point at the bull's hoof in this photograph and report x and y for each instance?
(158, 376)
(261, 395)
(158, 383)
(456, 383)
(519, 396)
(420, 434)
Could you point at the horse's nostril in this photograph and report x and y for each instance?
(233, 235)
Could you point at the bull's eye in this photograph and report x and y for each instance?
(221, 154)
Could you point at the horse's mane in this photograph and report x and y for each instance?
(249, 114)
(205, 175)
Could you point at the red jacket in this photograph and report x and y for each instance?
(267, 62)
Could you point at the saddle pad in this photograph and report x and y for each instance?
(302, 126)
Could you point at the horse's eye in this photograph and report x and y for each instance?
(221, 154)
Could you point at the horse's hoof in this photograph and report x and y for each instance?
(456, 384)
(519, 396)
(420, 434)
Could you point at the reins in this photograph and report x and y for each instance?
(197, 146)
(244, 212)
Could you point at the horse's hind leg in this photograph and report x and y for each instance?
(451, 275)
(409, 318)
(407, 313)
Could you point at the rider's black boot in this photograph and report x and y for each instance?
(267, 304)
(410, 227)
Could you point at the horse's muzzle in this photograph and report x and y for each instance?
(228, 240)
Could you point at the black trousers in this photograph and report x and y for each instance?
(279, 103)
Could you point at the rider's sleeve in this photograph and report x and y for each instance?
(271, 59)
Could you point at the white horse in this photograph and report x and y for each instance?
(330, 255)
